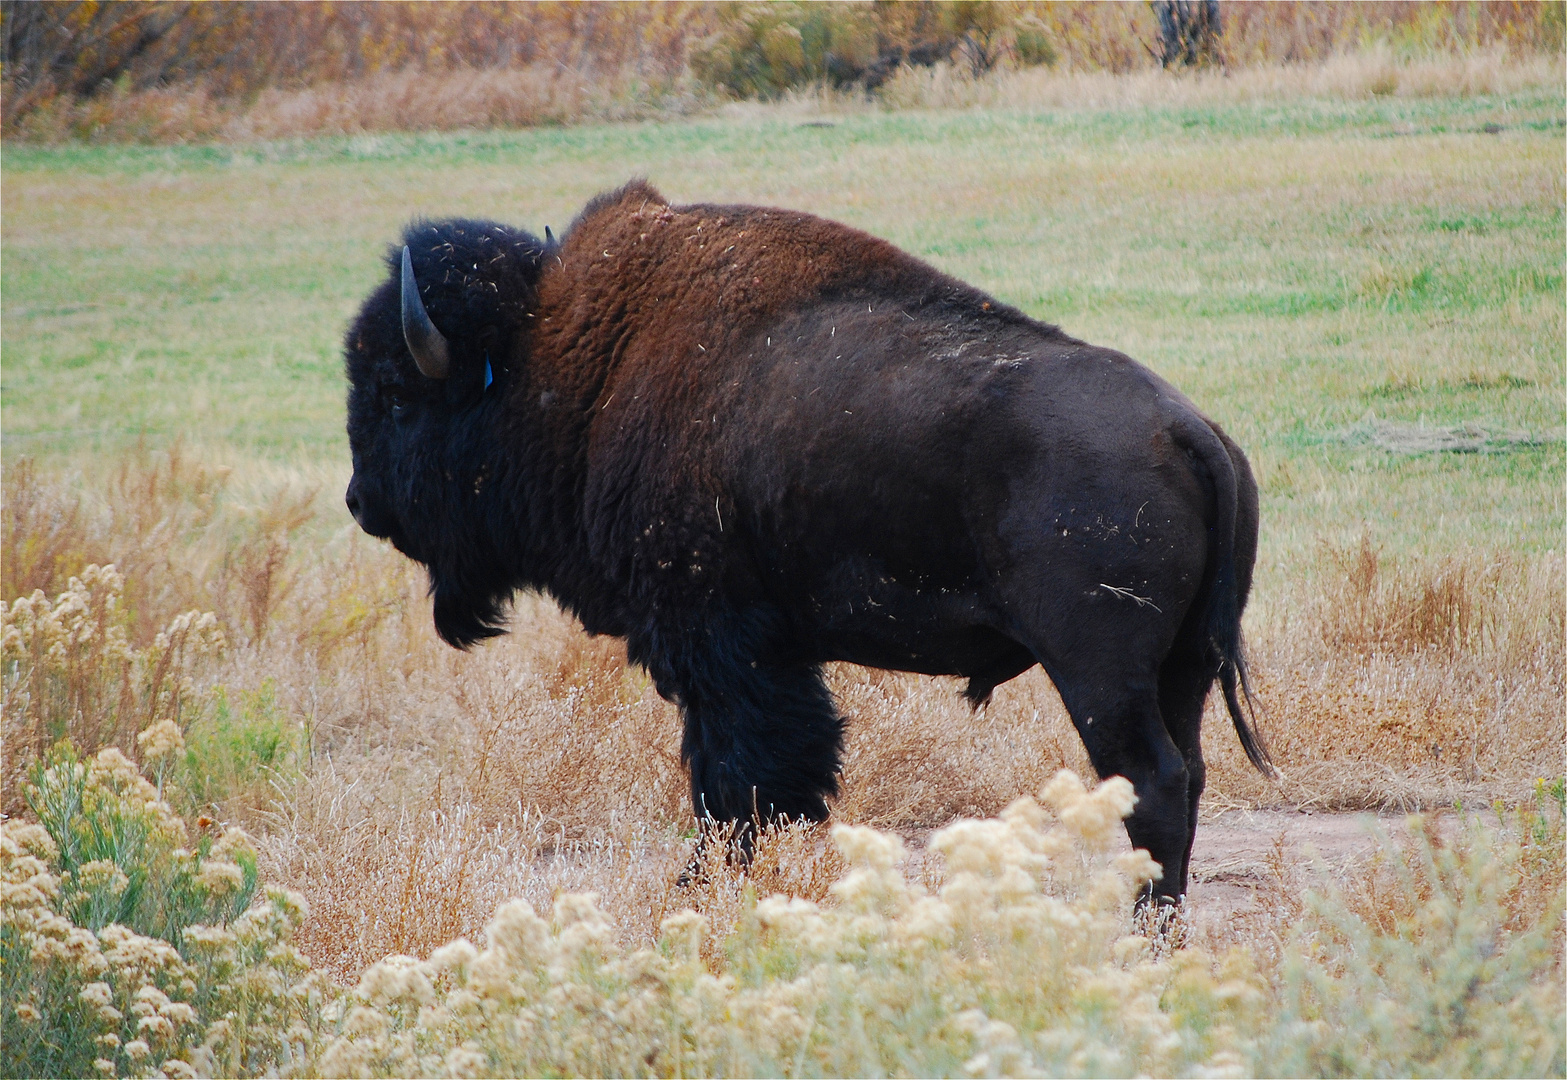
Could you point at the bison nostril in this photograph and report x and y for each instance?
(353, 504)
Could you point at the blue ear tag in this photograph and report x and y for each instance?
(489, 376)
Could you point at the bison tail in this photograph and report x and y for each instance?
(1223, 607)
(1224, 637)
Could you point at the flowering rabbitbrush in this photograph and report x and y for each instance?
(127, 952)
(1021, 962)
(71, 672)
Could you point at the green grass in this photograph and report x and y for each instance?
(1290, 266)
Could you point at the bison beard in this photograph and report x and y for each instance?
(750, 441)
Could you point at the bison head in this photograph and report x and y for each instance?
(428, 361)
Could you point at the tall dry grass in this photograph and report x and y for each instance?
(439, 783)
(538, 95)
(1375, 71)
(144, 66)
(1404, 682)
(179, 537)
(550, 94)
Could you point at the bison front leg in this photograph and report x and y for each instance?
(762, 744)
(762, 735)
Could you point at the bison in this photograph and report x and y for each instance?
(750, 441)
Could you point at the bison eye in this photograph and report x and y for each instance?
(395, 401)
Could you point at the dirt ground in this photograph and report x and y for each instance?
(1243, 857)
(1239, 853)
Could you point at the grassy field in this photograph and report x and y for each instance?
(1349, 286)
(1294, 268)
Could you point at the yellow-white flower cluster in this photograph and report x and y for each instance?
(161, 740)
(80, 617)
(111, 1000)
(70, 669)
(197, 631)
(114, 778)
(1020, 963)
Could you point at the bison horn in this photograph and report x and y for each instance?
(424, 340)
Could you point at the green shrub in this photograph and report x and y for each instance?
(768, 48)
(762, 50)
(1449, 964)
(1032, 43)
(126, 951)
(104, 814)
(241, 742)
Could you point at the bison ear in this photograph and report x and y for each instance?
(476, 371)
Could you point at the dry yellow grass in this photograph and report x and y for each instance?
(548, 94)
(435, 784)
(1374, 72)
(543, 94)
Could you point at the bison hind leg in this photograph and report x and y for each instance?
(1110, 686)
(1185, 678)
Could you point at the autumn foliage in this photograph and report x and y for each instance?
(127, 70)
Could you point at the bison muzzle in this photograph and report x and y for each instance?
(750, 441)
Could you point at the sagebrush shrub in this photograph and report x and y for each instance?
(1448, 963)
(1022, 962)
(127, 950)
(69, 671)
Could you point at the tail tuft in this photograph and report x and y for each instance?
(1224, 636)
(1232, 678)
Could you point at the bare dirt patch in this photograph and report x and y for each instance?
(1244, 859)
(1251, 867)
(1240, 852)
